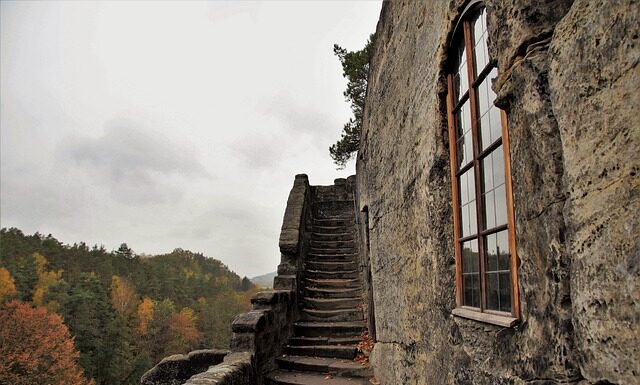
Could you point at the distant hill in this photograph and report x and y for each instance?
(265, 280)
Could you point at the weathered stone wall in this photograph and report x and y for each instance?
(569, 84)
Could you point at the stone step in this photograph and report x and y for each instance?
(337, 315)
(332, 303)
(334, 222)
(333, 283)
(332, 251)
(345, 274)
(332, 237)
(330, 266)
(332, 351)
(351, 244)
(332, 229)
(336, 367)
(320, 255)
(305, 341)
(329, 329)
(282, 377)
(319, 292)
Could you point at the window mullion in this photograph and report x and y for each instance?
(475, 134)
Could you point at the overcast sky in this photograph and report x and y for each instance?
(170, 124)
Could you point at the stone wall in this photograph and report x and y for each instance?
(569, 84)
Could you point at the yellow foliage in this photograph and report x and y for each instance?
(123, 296)
(145, 315)
(45, 279)
(41, 262)
(7, 284)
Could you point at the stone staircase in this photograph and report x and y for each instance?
(324, 346)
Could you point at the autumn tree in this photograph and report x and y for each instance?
(355, 67)
(7, 285)
(145, 315)
(184, 333)
(123, 296)
(36, 348)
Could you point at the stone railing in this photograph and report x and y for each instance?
(260, 334)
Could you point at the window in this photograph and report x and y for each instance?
(486, 277)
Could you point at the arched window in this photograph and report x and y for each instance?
(486, 276)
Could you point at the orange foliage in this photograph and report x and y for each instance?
(36, 348)
(7, 284)
(145, 315)
(184, 332)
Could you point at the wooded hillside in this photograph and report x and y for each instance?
(125, 312)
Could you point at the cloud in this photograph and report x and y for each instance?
(137, 166)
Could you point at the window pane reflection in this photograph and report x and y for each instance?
(470, 275)
(497, 271)
(467, 187)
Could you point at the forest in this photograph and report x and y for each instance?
(75, 314)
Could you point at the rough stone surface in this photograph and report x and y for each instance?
(595, 83)
(567, 68)
(237, 369)
(176, 369)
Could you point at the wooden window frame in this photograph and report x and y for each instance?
(464, 37)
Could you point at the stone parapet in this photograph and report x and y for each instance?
(178, 368)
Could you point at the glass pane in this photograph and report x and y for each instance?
(468, 219)
(502, 250)
(460, 153)
(470, 256)
(468, 147)
(473, 223)
(466, 117)
(483, 97)
(491, 253)
(462, 70)
(478, 27)
(496, 125)
(481, 57)
(456, 87)
(471, 287)
(493, 291)
(490, 211)
(497, 157)
(467, 187)
(464, 220)
(485, 131)
(505, 292)
(501, 206)
(487, 171)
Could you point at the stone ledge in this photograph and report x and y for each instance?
(176, 369)
(237, 369)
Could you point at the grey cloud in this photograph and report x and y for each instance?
(261, 152)
(137, 166)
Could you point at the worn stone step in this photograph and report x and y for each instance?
(305, 341)
(332, 303)
(334, 351)
(327, 329)
(283, 377)
(332, 251)
(336, 367)
(334, 222)
(332, 229)
(332, 237)
(338, 315)
(319, 256)
(333, 283)
(348, 274)
(330, 266)
(351, 244)
(320, 292)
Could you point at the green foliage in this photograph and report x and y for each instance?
(114, 350)
(355, 67)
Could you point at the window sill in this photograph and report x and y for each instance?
(494, 319)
